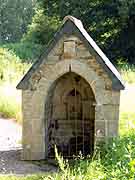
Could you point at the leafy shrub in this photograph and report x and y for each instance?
(118, 155)
(26, 51)
(114, 160)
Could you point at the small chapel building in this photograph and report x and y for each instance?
(70, 96)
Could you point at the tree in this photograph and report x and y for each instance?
(49, 15)
(111, 23)
(15, 15)
(42, 28)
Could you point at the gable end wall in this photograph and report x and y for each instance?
(59, 61)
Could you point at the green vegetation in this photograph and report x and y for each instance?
(128, 74)
(10, 106)
(127, 122)
(11, 67)
(42, 28)
(11, 71)
(14, 18)
(26, 27)
(112, 161)
(115, 160)
(26, 51)
(109, 22)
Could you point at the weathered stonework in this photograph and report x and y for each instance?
(69, 70)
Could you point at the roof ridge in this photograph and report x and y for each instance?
(67, 27)
(73, 19)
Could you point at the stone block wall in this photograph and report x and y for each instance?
(69, 55)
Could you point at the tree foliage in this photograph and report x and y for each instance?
(15, 15)
(42, 28)
(111, 23)
(26, 51)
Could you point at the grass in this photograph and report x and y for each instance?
(128, 75)
(127, 122)
(112, 161)
(127, 72)
(10, 102)
(127, 109)
(11, 71)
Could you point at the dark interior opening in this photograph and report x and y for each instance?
(70, 117)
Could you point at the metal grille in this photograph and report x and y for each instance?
(73, 133)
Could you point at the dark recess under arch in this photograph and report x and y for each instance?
(70, 117)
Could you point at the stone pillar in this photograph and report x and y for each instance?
(100, 124)
(26, 125)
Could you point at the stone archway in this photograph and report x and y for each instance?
(70, 116)
(42, 98)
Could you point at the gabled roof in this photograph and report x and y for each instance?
(70, 26)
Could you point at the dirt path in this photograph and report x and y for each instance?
(10, 150)
(10, 135)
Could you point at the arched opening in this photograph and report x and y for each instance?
(70, 117)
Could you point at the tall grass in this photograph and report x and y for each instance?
(127, 72)
(10, 102)
(11, 67)
(126, 122)
(11, 71)
(114, 160)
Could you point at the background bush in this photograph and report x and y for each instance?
(26, 51)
